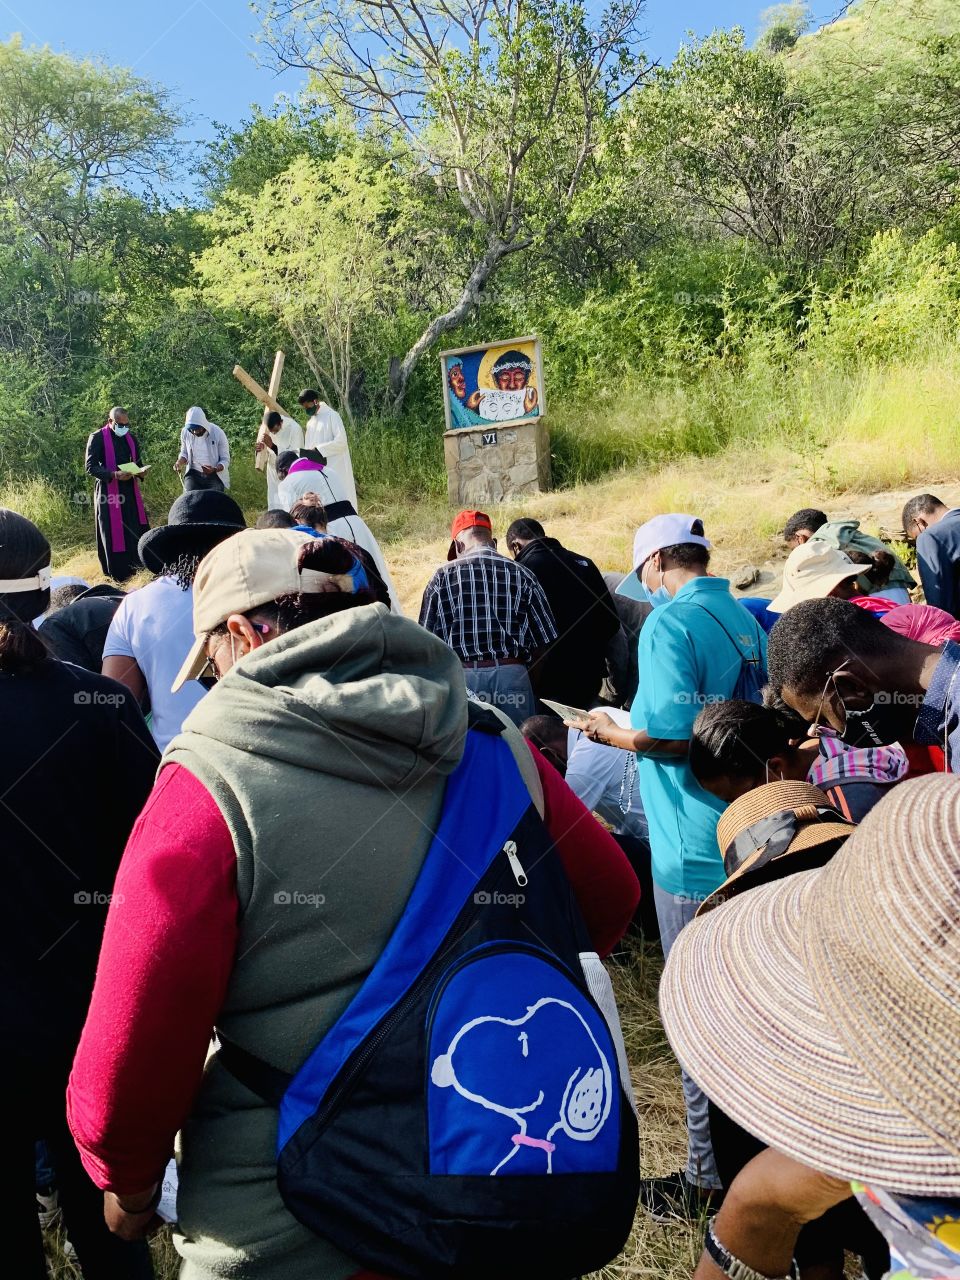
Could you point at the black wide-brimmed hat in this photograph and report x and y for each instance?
(196, 523)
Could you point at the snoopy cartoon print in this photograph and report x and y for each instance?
(544, 1072)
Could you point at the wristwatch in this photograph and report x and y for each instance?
(734, 1268)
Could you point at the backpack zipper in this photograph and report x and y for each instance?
(510, 849)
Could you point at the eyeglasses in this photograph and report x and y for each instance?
(208, 675)
(817, 728)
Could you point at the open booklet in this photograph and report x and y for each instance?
(566, 712)
(134, 468)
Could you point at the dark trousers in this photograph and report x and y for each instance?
(101, 1255)
(194, 480)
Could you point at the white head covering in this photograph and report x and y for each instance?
(195, 417)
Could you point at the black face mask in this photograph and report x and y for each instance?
(890, 717)
(878, 725)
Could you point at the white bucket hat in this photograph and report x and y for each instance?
(812, 571)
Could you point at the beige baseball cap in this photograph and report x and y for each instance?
(250, 568)
(812, 571)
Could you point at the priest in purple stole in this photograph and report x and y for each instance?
(121, 516)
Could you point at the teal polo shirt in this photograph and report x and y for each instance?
(687, 661)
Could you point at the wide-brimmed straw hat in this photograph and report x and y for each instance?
(821, 1012)
(771, 822)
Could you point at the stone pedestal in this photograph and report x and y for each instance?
(488, 464)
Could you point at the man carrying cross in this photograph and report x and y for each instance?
(113, 459)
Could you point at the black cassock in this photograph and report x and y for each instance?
(121, 564)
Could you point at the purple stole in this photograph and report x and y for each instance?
(118, 541)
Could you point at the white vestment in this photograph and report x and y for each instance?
(327, 488)
(326, 432)
(289, 435)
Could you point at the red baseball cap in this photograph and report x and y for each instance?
(467, 520)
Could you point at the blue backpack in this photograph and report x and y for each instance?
(470, 1113)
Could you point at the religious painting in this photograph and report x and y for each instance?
(493, 385)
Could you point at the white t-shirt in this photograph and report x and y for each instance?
(325, 485)
(211, 449)
(154, 626)
(605, 778)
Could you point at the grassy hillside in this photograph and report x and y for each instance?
(741, 449)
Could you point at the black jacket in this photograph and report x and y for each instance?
(586, 621)
(76, 765)
(77, 632)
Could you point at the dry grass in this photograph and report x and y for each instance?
(744, 498)
(664, 1252)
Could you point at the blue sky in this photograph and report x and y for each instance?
(204, 49)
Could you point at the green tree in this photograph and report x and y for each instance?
(70, 129)
(782, 25)
(244, 158)
(78, 138)
(316, 249)
(736, 147)
(886, 81)
(500, 103)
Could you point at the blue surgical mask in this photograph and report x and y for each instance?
(658, 597)
(120, 431)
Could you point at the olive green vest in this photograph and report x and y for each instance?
(327, 753)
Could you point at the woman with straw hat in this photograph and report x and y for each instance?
(834, 1028)
(774, 831)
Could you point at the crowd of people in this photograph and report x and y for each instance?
(312, 897)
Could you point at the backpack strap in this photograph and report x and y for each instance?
(744, 657)
(269, 1083)
(488, 814)
(488, 719)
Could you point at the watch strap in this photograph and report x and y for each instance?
(734, 1268)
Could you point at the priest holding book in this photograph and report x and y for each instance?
(113, 459)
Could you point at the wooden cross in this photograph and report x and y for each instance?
(267, 398)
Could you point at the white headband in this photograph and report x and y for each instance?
(41, 582)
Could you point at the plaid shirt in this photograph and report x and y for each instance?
(485, 607)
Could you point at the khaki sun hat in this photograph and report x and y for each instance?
(812, 571)
(251, 568)
(770, 823)
(821, 1012)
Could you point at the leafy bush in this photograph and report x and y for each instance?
(902, 299)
